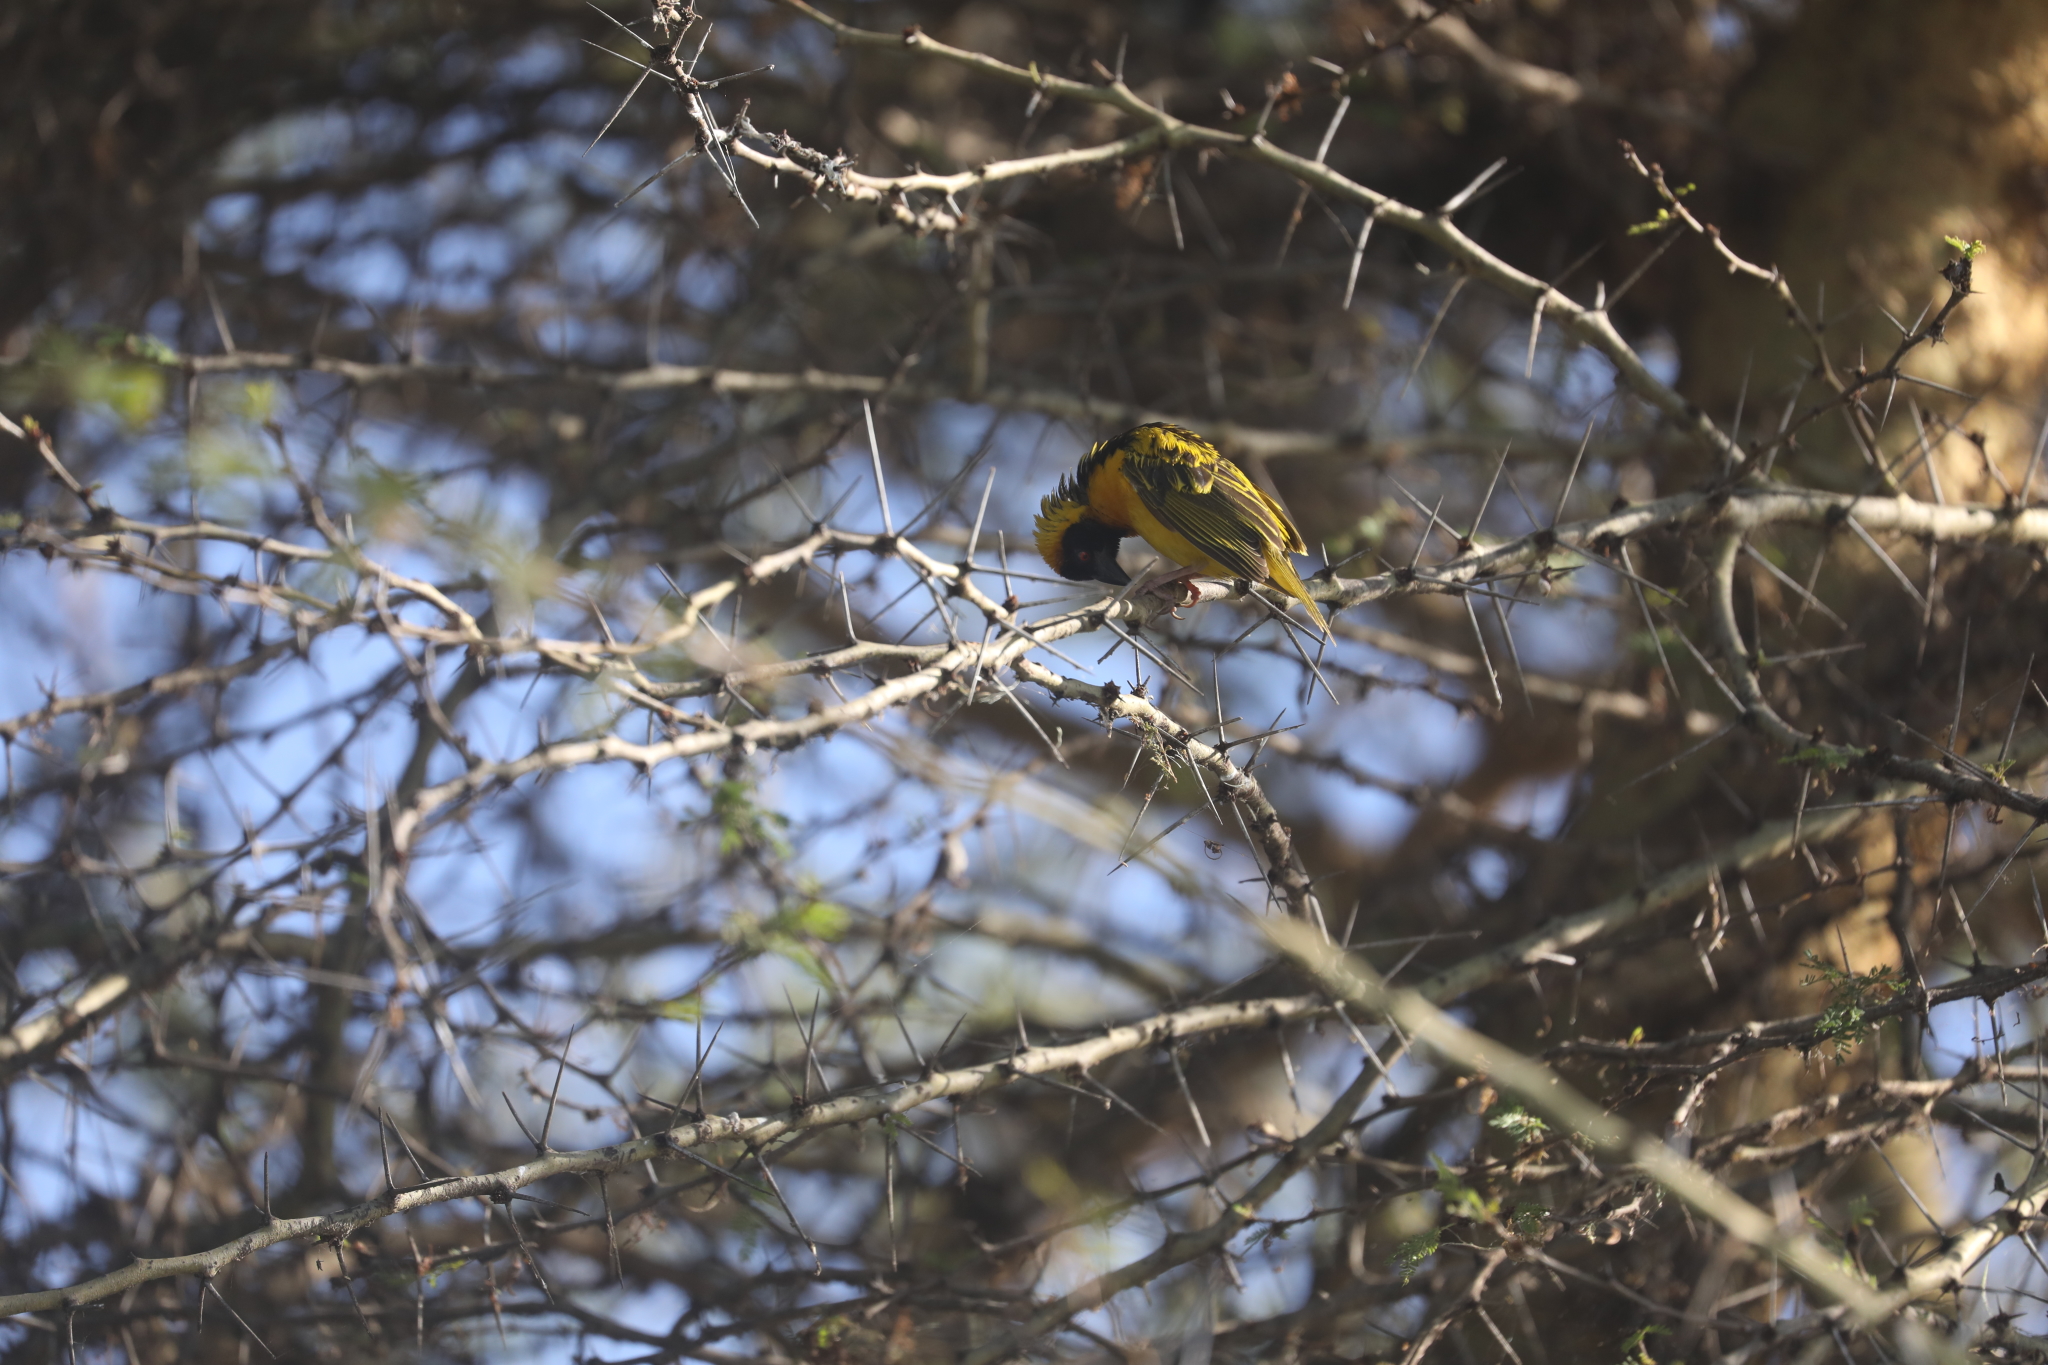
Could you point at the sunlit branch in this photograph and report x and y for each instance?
(857, 1107)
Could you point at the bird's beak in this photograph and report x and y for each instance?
(1107, 570)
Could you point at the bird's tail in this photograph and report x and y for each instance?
(1281, 569)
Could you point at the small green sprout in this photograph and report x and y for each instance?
(1409, 1256)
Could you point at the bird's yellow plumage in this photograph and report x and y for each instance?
(1175, 489)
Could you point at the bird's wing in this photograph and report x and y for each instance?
(1212, 504)
(1290, 537)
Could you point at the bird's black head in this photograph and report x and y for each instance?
(1088, 551)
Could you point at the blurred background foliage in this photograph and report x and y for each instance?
(185, 184)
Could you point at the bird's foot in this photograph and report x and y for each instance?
(1179, 593)
(1178, 589)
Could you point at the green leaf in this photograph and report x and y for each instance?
(1850, 998)
(135, 393)
(744, 826)
(821, 920)
(1970, 250)
(1409, 1256)
(256, 401)
(802, 955)
(1632, 1350)
(1664, 219)
(789, 934)
(1460, 1199)
(688, 1008)
(1517, 1122)
(114, 343)
(1824, 756)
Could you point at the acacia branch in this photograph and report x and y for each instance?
(1961, 780)
(1284, 870)
(1543, 1091)
(756, 1133)
(1182, 1247)
(1848, 389)
(1591, 326)
(1237, 437)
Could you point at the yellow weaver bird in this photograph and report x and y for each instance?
(1176, 490)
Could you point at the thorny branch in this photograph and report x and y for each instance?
(109, 540)
(346, 911)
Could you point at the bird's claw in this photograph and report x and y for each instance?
(1180, 593)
